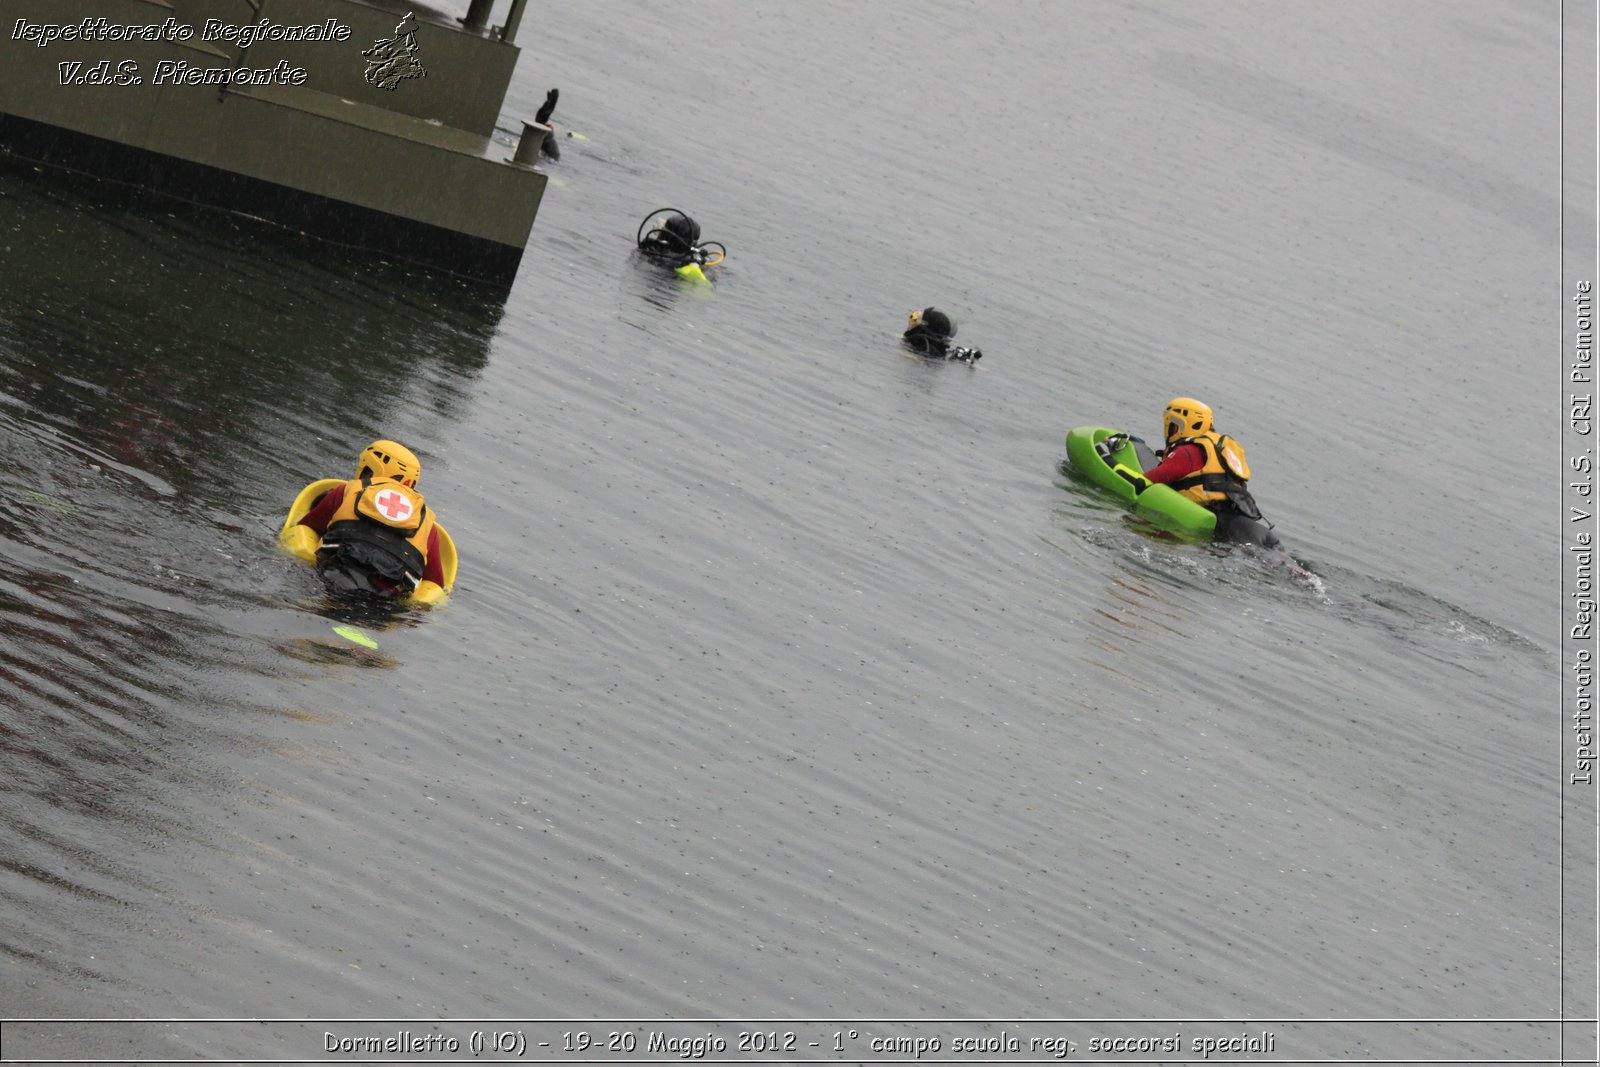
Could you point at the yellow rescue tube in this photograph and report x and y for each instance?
(302, 541)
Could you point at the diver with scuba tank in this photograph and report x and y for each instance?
(670, 237)
(929, 333)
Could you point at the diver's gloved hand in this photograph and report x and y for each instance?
(965, 355)
(1139, 482)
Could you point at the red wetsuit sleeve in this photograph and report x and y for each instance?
(433, 569)
(1183, 460)
(322, 514)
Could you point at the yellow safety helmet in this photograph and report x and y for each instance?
(1185, 417)
(389, 460)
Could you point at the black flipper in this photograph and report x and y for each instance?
(549, 146)
(549, 108)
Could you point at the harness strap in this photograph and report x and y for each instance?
(389, 541)
(1215, 483)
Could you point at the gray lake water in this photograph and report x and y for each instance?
(788, 676)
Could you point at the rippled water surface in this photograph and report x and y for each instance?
(788, 675)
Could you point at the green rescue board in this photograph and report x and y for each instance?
(1161, 505)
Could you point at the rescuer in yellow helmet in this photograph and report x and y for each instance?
(1209, 468)
(377, 533)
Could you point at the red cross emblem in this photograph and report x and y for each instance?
(394, 504)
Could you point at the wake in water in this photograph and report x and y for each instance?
(1224, 563)
(1409, 615)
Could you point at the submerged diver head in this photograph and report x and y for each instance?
(930, 322)
(389, 460)
(1185, 417)
(676, 235)
(670, 237)
(684, 229)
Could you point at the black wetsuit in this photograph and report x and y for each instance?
(1235, 526)
(937, 346)
(671, 251)
(548, 146)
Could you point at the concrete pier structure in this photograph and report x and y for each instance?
(301, 132)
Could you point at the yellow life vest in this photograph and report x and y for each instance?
(1224, 474)
(383, 526)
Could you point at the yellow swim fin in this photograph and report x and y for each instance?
(427, 594)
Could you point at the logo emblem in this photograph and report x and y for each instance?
(393, 504)
(394, 59)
